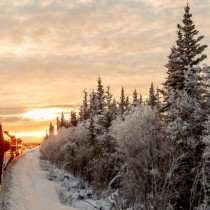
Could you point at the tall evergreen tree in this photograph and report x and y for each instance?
(122, 102)
(140, 99)
(135, 98)
(186, 53)
(184, 104)
(100, 97)
(58, 123)
(108, 97)
(104, 120)
(158, 98)
(62, 121)
(92, 104)
(73, 119)
(84, 110)
(127, 104)
(51, 129)
(152, 100)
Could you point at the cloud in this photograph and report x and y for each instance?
(11, 111)
(13, 119)
(51, 50)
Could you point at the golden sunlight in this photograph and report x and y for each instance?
(30, 134)
(43, 114)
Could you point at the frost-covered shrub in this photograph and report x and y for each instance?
(72, 149)
(148, 166)
(51, 147)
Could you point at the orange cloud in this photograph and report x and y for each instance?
(51, 50)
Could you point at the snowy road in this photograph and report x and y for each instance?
(29, 188)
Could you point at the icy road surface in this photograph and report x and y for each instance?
(26, 186)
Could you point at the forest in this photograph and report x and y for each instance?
(153, 154)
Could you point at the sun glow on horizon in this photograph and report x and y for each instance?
(43, 114)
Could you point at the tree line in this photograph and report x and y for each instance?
(154, 153)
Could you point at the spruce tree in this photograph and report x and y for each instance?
(62, 121)
(184, 111)
(104, 120)
(93, 103)
(127, 104)
(152, 101)
(100, 97)
(58, 123)
(84, 110)
(114, 108)
(73, 119)
(122, 102)
(140, 100)
(108, 97)
(135, 98)
(188, 52)
(51, 129)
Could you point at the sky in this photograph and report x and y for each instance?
(51, 50)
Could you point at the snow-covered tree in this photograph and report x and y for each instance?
(73, 119)
(186, 53)
(135, 99)
(140, 99)
(185, 119)
(100, 97)
(51, 129)
(84, 109)
(127, 105)
(58, 123)
(122, 102)
(185, 110)
(93, 103)
(152, 100)
(148, 164)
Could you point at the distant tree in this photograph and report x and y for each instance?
(58, 123)
(62, 121)
(111, 107)
(100, 97)
(104, 120)
(135, 98)
(73, 119)
(84, 110)
(51, 129)
(92, 103)
(122, 102)
(152, 100)
(158, 98)
(114, 108)
(140, 100)
(127, 105)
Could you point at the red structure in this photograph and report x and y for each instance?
(15, 145)
(9, 148)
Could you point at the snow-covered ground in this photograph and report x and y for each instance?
(75, 192)
(26, 187)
